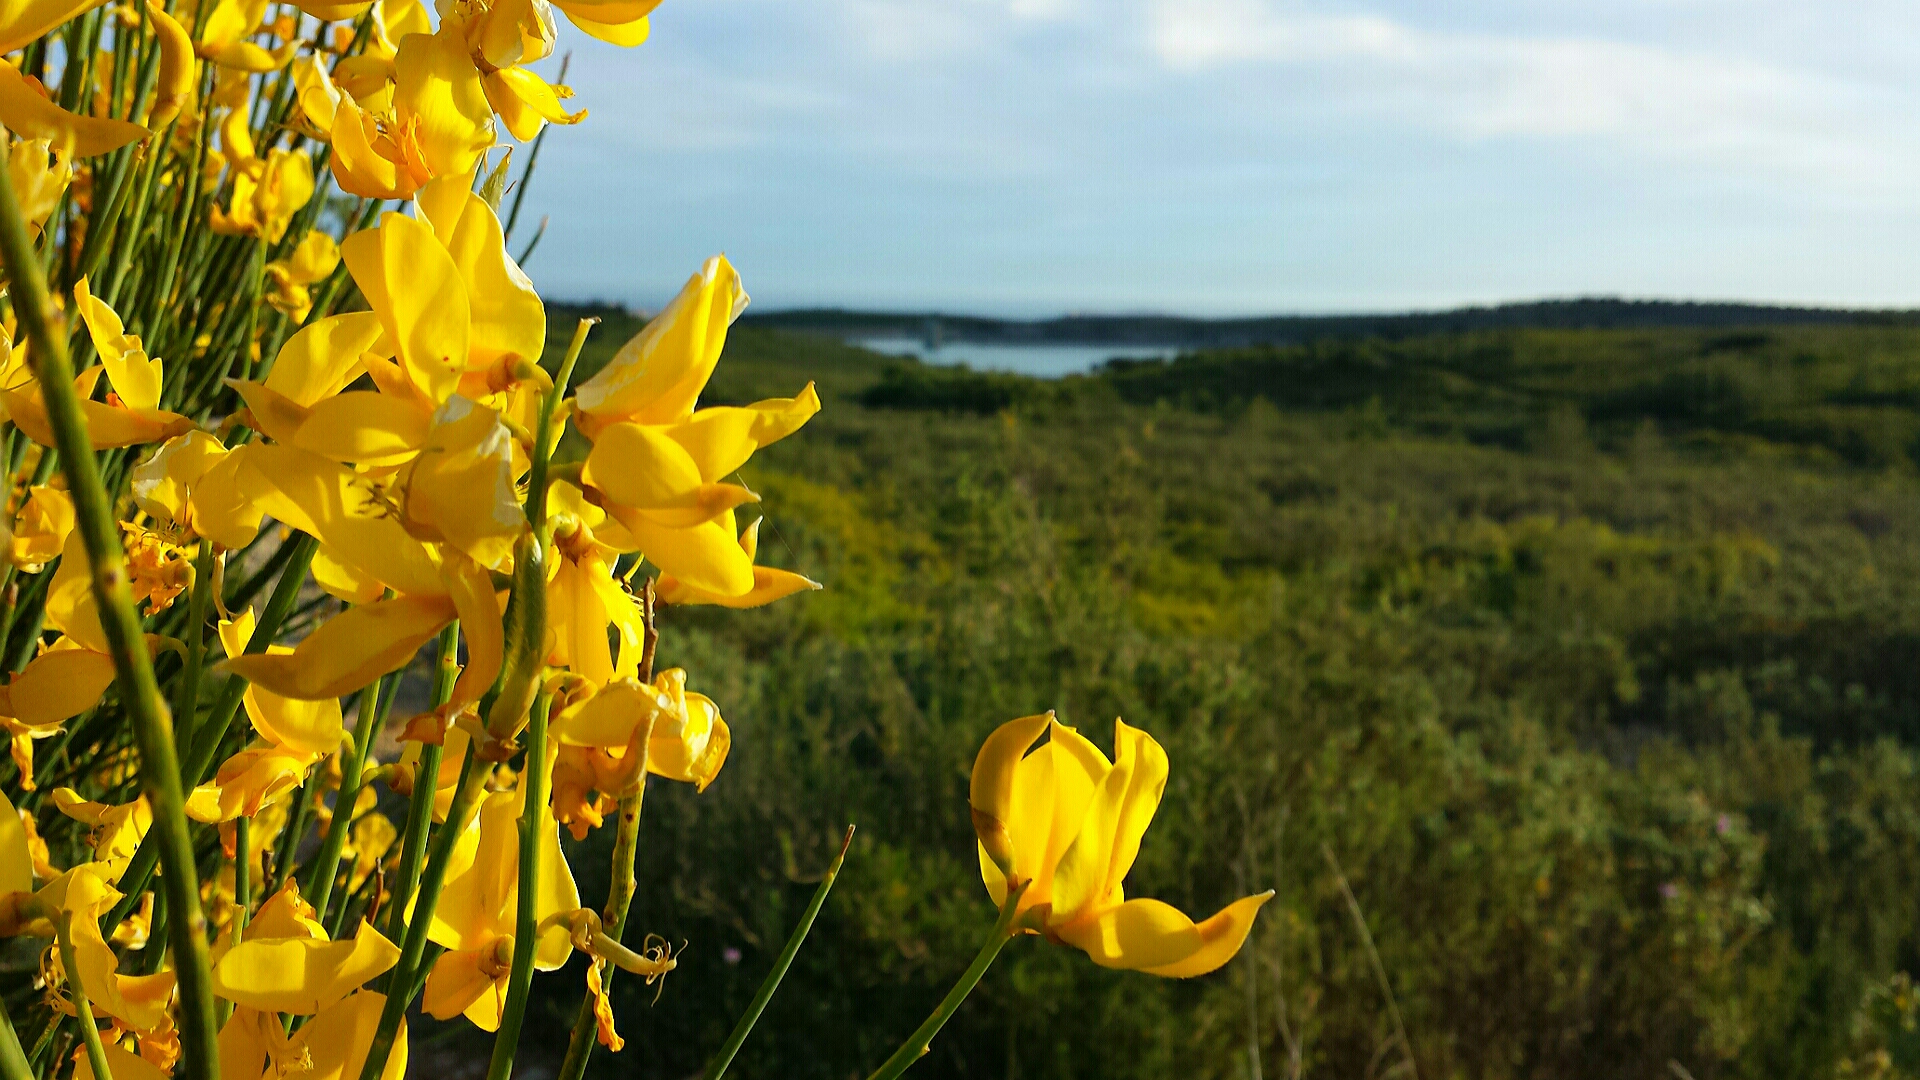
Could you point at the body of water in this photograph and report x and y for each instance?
(1042, 361)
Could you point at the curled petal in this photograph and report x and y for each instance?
(990, 793)
(175, 86)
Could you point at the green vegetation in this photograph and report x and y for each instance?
(1591, 657)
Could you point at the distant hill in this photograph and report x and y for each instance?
(1596, 313)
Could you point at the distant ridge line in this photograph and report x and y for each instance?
(1587, 313)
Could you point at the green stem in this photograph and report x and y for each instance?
(13, 1057)
(626, 846)
(82, 1010)
(400, 983)
(718, 1066)
(187, 704)
(327, 864)
(207, 737)
(536, 821)
(916, 1045)
(133, 668)
(426, 777)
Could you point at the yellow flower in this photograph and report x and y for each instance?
(288, 965)
(474, 920)
(254, 1045)
(197, 484)
(223, 38)
(310, 262)
(686, 738)
(769, 584)
(311, 727)
(265, 199)
(658, 466)
(1068, 823)
(132, 413)
(40, 175)
(138, 1002)
(584, 598)
(117, 830)
(464, 322)
(40, 528)
(335, 505)
(249, 781)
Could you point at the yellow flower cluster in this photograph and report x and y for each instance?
(353, 405)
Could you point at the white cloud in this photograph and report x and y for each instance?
(1707, 106)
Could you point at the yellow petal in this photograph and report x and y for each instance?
(320, 360)
(124, 1065)
(460, 980)
(460, 489)
(358, 165)
(135, 377)
(41, 527)
(610, 717)
(337, 505)
(1091, 870)
(720, 440)
(525, 101)
(16, 857)
(298, 975)
(343, 582)
(23, 22)
(333, 12)
(415, 286)
(694, 753)
(225, 507)
(508, 318)
(286, 915)
(248, 781)
(625, 34)
(178, 76)
(164, 482)
(769, 584)
(364, 427)
(707, 557)
(338, 1038)
(350, 650)
(470, 590)
(577, 622)
(657, 377)
(56, 685)
(1220, 937)
(69, 605)
(990, 792)
(26, 111)
(1137, 934)
(437, 92)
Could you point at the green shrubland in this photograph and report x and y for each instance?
(1590, 659)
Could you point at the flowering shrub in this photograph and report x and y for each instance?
(323, 420)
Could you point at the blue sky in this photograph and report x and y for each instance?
(1031, 157)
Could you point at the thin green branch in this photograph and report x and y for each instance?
(718, 1066)
(133, 668)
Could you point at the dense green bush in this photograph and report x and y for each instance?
(1613, 737)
